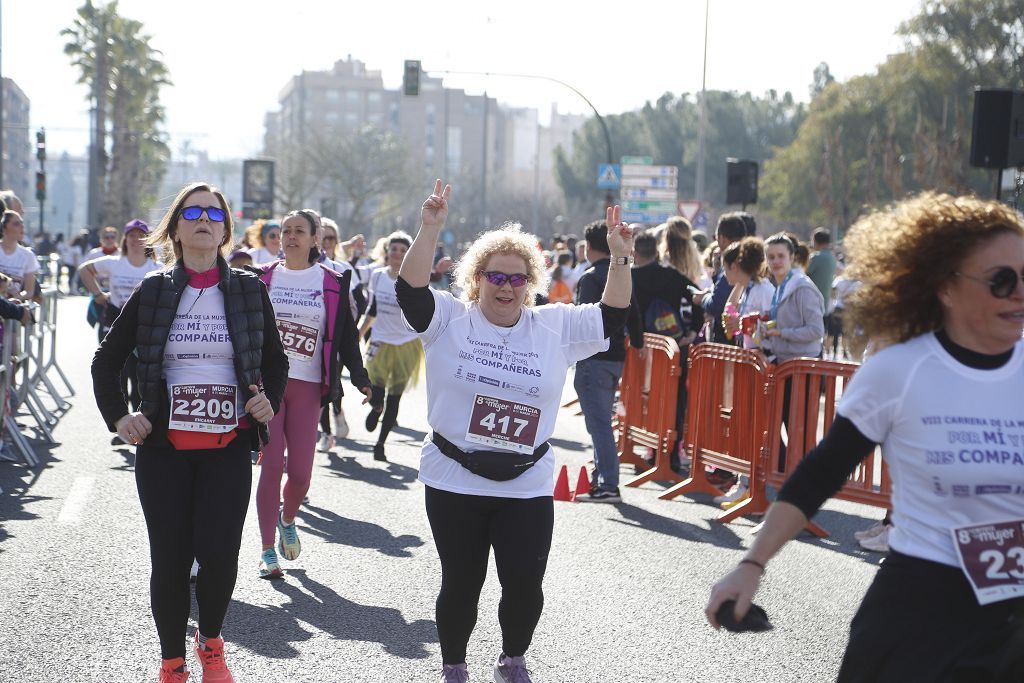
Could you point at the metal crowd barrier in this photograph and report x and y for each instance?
(28, 358)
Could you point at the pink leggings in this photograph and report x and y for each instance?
(293, 427)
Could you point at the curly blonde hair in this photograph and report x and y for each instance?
(507, 239)
(905, 253)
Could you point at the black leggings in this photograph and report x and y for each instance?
(465, 528)
(195, 504)
(390, 407)
(325, 415)
(920, 621)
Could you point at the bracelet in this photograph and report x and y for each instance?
(753, 562)
(621, 260)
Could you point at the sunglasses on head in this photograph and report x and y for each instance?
(1003, 282)
(499, 279)
(192, 213)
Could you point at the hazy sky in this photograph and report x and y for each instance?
(230, 59)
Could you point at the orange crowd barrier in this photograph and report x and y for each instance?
(815, 388)
(648, 392)
(726, 415)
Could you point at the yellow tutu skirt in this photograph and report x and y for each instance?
(394, 367)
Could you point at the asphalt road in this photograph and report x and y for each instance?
(625, 587)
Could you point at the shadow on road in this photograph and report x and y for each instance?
(270, 630)
(17, 479)
(334, 528)
(567, 445)
(392, 476)
(719, 534)
(414, 435)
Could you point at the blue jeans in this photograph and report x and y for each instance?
(596, 382)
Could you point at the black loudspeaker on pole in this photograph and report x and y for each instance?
(997, 131)
(740, 181)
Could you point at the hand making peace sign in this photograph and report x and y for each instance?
(620, 236)
(435, 209)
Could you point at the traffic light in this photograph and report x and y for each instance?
(41, 185)
(41, 144)
(411, 78)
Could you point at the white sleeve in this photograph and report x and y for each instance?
(445, 307)
(871, 398)
(582, 329)
(31, 264)
(103, 265)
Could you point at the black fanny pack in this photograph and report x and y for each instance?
(493, 465)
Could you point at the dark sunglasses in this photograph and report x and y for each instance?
(192, 213)
(499, 279)
(1003, 282)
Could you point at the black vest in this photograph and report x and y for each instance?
(159, 295)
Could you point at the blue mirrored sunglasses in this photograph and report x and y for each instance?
(192, 213)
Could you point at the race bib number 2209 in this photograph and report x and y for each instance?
(203, 408)
(992, 558)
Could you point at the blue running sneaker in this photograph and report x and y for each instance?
(269, 568)
(288, 543)
(454, 673)
(511, 670)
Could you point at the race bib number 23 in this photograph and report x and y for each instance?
(992, 558)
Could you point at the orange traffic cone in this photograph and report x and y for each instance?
(582, 484)
(562, 485)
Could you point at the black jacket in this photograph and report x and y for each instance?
(589, 290)
(655, 281)
(144, 324)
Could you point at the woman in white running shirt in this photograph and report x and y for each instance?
(17, 262)
(394, 355)
(942, 278)
(266, 242)
(496, 366)
(123, 271)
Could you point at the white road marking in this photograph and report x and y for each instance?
(71, 512)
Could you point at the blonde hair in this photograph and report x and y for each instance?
(163, 236)
(905, 253)
(508, 239)
(678, 249)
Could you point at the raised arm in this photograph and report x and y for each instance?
(419, 260)
(618, 289)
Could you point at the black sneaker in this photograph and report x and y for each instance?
(378, 453)
(371, 419)
(601, 496)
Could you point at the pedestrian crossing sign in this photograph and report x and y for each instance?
(609, 176)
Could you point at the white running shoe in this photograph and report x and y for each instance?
(326, 443)
(340, 426)
(195, 570)
(870, 532)
(878, 543)
(738, 491)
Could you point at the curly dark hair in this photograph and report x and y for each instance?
(905, 253)
(748, 254)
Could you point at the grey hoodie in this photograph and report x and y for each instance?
(800, 320)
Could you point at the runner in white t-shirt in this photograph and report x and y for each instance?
(266, 243)
(318, 331)
(944, 404)
(328, 240)
(496, 367)
(123, 271)
(394, 355)
(17, 262)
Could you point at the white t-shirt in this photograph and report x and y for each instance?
(953, 438)
(122, 275)
(199, 352)
(842, 287)
(757, 299)
(340, 267)
(388, 325)
(17, 265)
(298, 299)
(466, 357)
(260, 256)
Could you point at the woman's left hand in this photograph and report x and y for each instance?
(259, 406)
(620, 236)
(367, 392)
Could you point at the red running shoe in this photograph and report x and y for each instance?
(215, 669)
(173, 671)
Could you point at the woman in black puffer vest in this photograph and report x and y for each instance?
(211, 374)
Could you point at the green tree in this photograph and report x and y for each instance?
(124, 74)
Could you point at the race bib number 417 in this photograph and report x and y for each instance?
(992, 557)
(503, 424)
